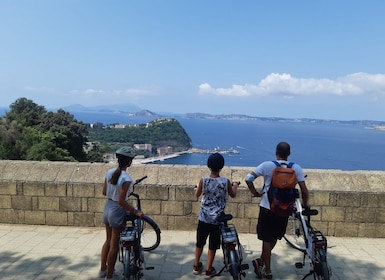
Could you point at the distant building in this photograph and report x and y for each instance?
(164, 150)
(143, 147)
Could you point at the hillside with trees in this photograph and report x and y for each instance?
(159, 133)
(29, 132)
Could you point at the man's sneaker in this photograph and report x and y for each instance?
(257, 263)
(210, 273)
(198, 269)
(268, 276)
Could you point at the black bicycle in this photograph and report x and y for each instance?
(139, 235)
(232, 249)
(301, 236)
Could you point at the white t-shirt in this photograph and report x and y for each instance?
(265, 169)
(114, 190)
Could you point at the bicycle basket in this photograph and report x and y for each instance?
(128, 234)
(229, 234)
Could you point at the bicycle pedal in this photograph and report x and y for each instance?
(150, 268)
(298, 265)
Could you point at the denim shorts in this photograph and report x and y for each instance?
(114, 214)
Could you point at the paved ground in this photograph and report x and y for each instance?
(51, 252)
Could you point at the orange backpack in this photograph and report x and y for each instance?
(281, 193)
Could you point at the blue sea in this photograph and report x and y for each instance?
(313, 145)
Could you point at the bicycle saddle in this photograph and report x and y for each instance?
(222, 217)
(309, 212)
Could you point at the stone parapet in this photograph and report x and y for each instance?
(350, 203)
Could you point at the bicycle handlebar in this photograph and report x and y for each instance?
(140, 180)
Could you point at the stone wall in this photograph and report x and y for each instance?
(351, 203)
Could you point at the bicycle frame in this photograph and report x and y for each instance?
(315, 243)
(131, 252)
(232, 249)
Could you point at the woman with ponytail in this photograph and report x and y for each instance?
(117, 185)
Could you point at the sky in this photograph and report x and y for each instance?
(294, 59)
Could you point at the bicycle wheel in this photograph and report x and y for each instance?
(234, 266)
(150, 234)
(321, 266)
(127, 264)
(294, 235)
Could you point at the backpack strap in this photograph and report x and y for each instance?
(289, 165)
(276, 163)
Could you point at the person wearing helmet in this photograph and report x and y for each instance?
(116, 187)
(215, 190)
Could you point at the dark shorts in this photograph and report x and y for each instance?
(270, 227)
(205, 230)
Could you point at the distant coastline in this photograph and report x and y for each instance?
(189, 151)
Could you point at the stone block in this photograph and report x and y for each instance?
(195, 173)
(174, 208)
(367, 230)
(5, 202)
(33, 189)
(241, 225)
(49, 203)
(185, 223)
(360, 215)
(55, 189)
(319, 198)
(243, 196)
(346, 229)
(232, 208)
(65, 172)
(83, 219)
(9, 216)
(83, 190)
(170, 223)
(252, 211)
(8, 188)
(185, 194)
(35, 217)
(379, 215)
(165, 175)
(380, 231)
(151, 207)
(349, 199)
(196, 206)
(22, 202)
(56, 218)
(70, 204)
(333, 214)
(93, 205)
(158, 193)
(80, 173)
(374, 200)
(178, 175)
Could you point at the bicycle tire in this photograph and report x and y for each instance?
(322, 272)
(294, 235)
(127, 264)
(150, 234)
(234, 265)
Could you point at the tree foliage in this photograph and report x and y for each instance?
(160, 132)
(29, 132)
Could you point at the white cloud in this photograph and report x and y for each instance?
(288, 86)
